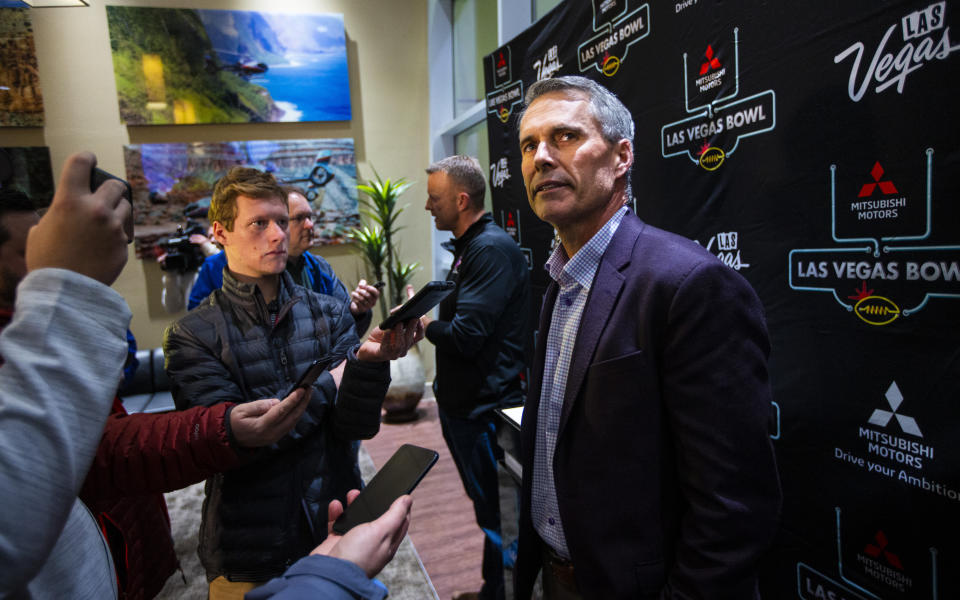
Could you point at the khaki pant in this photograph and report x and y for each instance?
(222, 588)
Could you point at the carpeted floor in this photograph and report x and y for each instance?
(404, 576)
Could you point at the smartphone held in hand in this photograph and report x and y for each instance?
(398, 476)
(429, 296)
(307, 378)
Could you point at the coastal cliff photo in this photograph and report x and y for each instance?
(186, 66)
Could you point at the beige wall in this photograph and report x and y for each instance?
(386, 52)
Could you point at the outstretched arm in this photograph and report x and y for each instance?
(342, 567)
(63, 352)
(145, 453)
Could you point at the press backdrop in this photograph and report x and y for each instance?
(813, 147)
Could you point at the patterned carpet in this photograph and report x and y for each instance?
(404, 576)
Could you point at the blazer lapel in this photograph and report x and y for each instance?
(531, 407)
(604, 293)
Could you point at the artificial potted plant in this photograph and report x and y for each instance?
(377, 243)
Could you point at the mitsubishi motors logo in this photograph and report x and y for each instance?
(712, 61)
(885, 186)
(883, 566)
(882, 417)
(880, 547)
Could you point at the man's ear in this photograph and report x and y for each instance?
(463, 202)
(625, 156)
(218, 232)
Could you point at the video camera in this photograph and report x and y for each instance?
(178, 253)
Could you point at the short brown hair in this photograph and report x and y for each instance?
(241, 181)
(466, 173)
(292, 189)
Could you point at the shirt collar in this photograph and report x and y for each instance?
(582, 267)
(471, 232)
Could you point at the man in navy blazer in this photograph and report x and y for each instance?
(648, 467)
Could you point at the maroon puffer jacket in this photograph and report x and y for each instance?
(139, 457)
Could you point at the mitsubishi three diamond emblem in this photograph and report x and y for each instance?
(882, 417)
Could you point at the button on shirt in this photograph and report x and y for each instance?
(574, 276)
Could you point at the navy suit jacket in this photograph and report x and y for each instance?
(664, 468)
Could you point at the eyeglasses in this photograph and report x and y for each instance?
(299, 219)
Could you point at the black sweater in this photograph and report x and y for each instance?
(483, 330)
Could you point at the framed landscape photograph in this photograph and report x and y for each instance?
(186, 66)
(172, 183)
(27, 169)
(21, 103)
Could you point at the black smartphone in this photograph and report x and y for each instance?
(399, 476)
(429, 296)
(309, 376)
(98, 176)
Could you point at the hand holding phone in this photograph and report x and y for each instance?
(371, 545)
(398, 477)
(414, 308)
(82, 232)
(309, 376)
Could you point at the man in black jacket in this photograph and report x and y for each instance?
(252, 339)
(481, 339)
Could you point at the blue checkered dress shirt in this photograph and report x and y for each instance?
(574, 276)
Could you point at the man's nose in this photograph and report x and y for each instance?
(276, 230)
(308, 223)
(543, 155)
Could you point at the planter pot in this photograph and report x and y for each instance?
(406, 388)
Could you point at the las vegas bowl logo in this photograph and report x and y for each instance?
(711, 158)
(611, 64)
(876, 310)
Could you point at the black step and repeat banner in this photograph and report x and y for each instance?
(815, 148)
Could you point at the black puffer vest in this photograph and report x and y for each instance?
(261, 517)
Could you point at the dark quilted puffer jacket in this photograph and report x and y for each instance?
(262, 516)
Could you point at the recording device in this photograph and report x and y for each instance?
(379, 285)
(178, 253)
(429, 296)
(399, 476)
(98, 176)
(309, 376)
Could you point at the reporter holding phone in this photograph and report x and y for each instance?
(343, 567)
(66, 342)
(253, 338)
(481, 340)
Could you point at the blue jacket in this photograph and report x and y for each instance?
(317, 271)
(324, 577)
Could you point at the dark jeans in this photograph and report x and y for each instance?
(473, 444)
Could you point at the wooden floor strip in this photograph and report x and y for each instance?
(443, 528)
